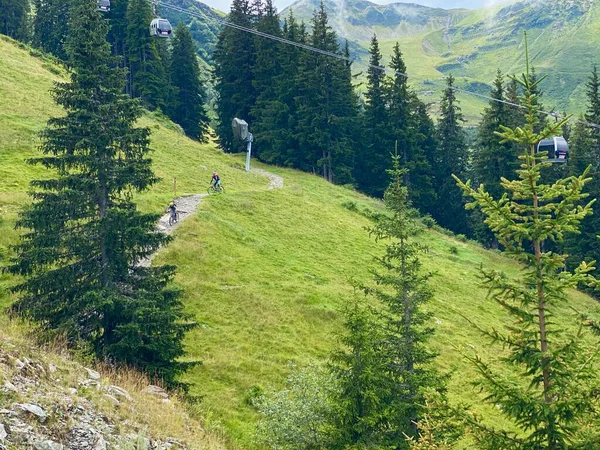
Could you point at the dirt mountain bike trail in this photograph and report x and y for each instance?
(188, 204)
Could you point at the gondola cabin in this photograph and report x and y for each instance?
(240, 129)
(161, 28)
(557, 148)
(104, 5)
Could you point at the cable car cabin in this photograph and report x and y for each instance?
(240, 129)
(160, 28)
(104, 5)
(557, 148)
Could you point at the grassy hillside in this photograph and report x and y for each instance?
(264, 272)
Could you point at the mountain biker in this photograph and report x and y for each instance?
(215, 180)
(173, 209)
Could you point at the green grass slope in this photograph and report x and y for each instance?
(265, 273)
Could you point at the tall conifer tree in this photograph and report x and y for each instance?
(404, 125)
(147, 77)
(376, 146)
(553, 405)
(387, 368)
(84, 237)
(50, 25)
(265, 72)
(585, 151)
(326, 105)
(493, 160)
(234, 58)
(451, 158)
(14, 19)
(187, 108)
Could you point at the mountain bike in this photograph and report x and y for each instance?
(212, 189)
(173, 218)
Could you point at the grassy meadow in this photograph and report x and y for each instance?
(265, 273)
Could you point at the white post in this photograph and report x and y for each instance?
(249, 150)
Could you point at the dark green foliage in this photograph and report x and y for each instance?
(553, 403)
(451, 159)
(276, 120)
(377, 143)
(585, 151)
(361, 378)
(117, 34)
(187, 109)
(233, 70)
(266, 69)
(14, 19)
(326, 106)
(407, 120)
(84, 237)
(147, 77)
(493, 160)
(387, 369)
(50, 26)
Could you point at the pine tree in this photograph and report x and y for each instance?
(451, 158)
(404, 123)
(188, 107)
(265, 72)
(234, 58)
(50, 26)
(385, 396)
(377, 143)
(117, 34)
(585, 151)
(275, 125)
(147, 77)
(493, 160)
(14, 19)
(79, 256)
(553, 405)
(360, 374)
(425, 140)
(325, 105)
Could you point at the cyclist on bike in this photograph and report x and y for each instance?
(215, 180)
(173, 210)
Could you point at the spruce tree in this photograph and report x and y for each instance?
(585, 151)
(50, 26)
(493, 160)
(553, 403)
(147, 77)
(377, 143)
(326, 105)
(404, 125)
(187, 109)
(84, 236)
(276, 120)
(361, 378)
(14, 19)
(266, 69)
(451, 158)
(388, 368)
(233, 58)
(117, 34)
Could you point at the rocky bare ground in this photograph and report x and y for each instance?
(45, 407)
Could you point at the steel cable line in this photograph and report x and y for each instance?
(343, 58)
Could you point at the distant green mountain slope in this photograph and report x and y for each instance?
(203, 26)
(358, 19)
(564, 37)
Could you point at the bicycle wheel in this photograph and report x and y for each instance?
(171, 221)
(211, 189)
